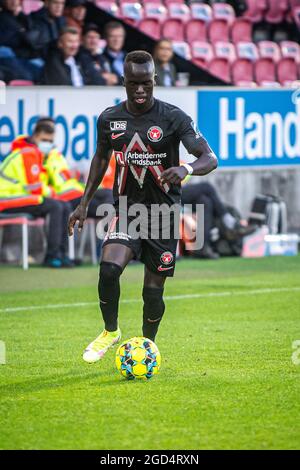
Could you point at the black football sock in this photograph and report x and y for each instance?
(154, 308)
(109, 293)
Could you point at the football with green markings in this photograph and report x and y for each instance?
(138, 358)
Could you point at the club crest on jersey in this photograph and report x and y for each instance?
(155, 134)
(166, 258)
(118, 125)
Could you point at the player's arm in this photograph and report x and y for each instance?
(97, 171)
(196, 145)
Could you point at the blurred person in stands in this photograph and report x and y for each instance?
(75, 13)
(165, 70)
(204, 193)
(49, 21)
(64, 66)
(66, 186)
(18, 43)
(23, 190)
(90, 51)
(114, 54)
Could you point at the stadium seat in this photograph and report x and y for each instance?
(167, 2)
(155, 10)
(255, 10)
(241, 30)
(182, 49)
(223, 11)
(201, 11)
(109, 6)
(196, 30)
(265, 70)
(246, 84)
(247, 50)
(179, 10)
(220, 67)
(269, 50)
(21, 83)
(29, 6)
(173, 29)
(151, 27)
(296, 16)
(218, 30)
(276, 11)
(290, 49)
(242, 71)
(25, 221)
(202, 53)
(225, 50)
(287, 71)
(132, 12)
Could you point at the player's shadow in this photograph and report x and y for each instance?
(55, 381)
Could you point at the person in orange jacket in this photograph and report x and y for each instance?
(23, 190)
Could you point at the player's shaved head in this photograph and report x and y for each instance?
(139, 74)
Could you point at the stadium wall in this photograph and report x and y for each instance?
(255, 133)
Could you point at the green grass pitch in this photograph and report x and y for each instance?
(227, 379)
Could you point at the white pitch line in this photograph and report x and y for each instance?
(167, 297)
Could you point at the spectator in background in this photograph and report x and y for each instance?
(23, 190)
(18, 39)
(165, 70)
(49, 21)
(64, 66)
(75, 13)
(90, 52)
(114, 53)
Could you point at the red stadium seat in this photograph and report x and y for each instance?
(29, 6)
(167, 2)
(173, 29)
(21, 83)
(196, 30)
(255, 10)
(241, 30)
(182, 49)
(109, 6)
(220, 68)
(242, 70)
(155, 10)
(201, 11)
(287, 71)
(296, 16)
(269, 50)
(150, 26)
(276, 11)
(202, 53)
(247, 50)
(265, 70)
(246, 84)
(223, 11)
(132, 12)
(225, 50)
(218, 30)
(290, 49)
(179, 10)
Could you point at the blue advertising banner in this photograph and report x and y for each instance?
(248, 128)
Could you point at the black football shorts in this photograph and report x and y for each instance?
(157, 253)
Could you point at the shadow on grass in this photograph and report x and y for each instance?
(55, 381)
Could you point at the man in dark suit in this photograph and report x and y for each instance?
(165, 70)
(65, 67)
(114, 53)
(49, 21)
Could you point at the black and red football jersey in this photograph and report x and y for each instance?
(144, 146)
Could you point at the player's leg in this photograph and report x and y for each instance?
(154, 306)
(115, 256)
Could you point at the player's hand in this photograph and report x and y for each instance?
(173, 175)
(79, 214)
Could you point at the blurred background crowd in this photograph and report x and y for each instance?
(66, 42)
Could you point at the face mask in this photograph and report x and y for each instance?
(45, 147)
